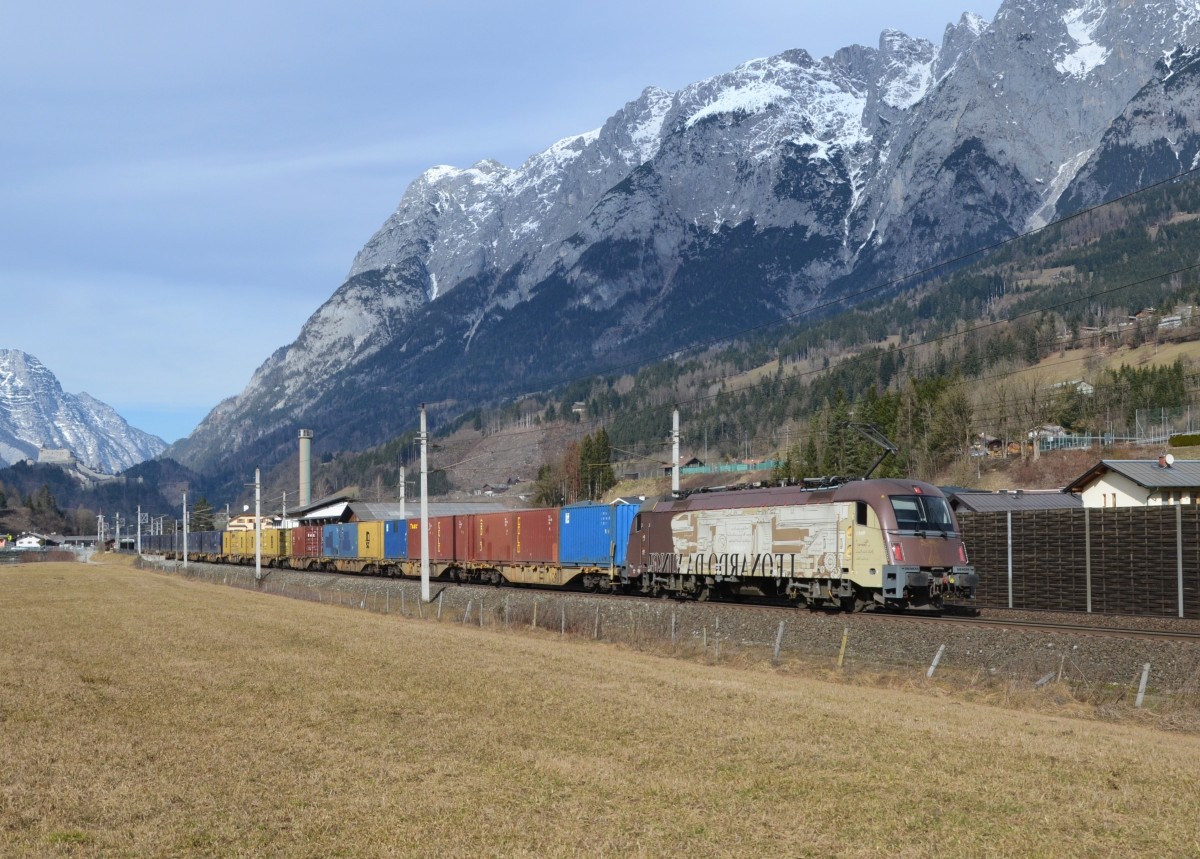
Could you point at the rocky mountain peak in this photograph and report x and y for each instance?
(36, 413)
(750, 195)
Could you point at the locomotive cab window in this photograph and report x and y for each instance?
(922, 513)
(860, 512)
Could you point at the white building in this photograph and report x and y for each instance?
(1139, 482)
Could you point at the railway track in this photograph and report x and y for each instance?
(1166, 632)
(1064, 627)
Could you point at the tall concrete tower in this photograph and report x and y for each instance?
(305, 467)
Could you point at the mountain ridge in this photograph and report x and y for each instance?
(763, 192)
(36, 413)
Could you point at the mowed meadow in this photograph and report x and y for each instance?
(147, 715)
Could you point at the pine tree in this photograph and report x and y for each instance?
(200, 518)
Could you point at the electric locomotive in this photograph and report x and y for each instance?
(891, 544)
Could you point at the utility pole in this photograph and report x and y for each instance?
(257, 526)
(424, 511)
(675, 451)
(139, 531)
(118, 518)
(185, 527)
(402, 491)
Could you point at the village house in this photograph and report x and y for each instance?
(1139, 482)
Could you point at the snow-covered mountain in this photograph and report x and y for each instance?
(692, 215)
(36, 413)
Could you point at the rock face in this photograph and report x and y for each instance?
(36, 413)
(1155, 138)
(689, 216)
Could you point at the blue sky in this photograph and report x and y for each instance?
(182, 185)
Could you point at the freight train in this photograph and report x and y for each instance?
(890, 544)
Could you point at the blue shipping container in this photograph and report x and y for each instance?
(329, 534)
(623, 514)
(346, 541)
(395, 538)
(595, 534)
(585, 535)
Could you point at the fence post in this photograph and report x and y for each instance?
(1087, 556)
(467, 613)
(596, 628)
(1010, 561)
(846, 638)
(672, 627)
(936, 659)
(778, 641)
(1179, 554)
(1142, 686)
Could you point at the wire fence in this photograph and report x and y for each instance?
(1096, 670)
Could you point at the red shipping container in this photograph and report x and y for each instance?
(441, 538)
(492, 538)
(536, 536)
(462, 536)
(306, 541)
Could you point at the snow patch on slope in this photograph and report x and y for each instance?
(1081, 25)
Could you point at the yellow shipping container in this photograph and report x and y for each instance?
(370, 540)
(240, 542)
(272, 542)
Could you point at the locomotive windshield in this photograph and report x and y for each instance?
(922, 513)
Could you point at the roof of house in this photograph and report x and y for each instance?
(971, 501)
(376, 511)
(1149, 473)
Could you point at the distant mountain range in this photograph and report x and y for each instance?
(760, 193)
(36, 413)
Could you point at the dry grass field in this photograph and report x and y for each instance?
(145, 715)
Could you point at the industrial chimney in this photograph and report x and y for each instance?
(305, 467)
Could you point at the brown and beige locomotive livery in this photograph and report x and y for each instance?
(862, 544)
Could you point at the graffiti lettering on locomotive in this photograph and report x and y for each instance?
(799, 540)
(726, 564)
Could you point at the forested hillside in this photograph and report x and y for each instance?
(981, 346)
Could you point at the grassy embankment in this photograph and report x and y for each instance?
(142, 715)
